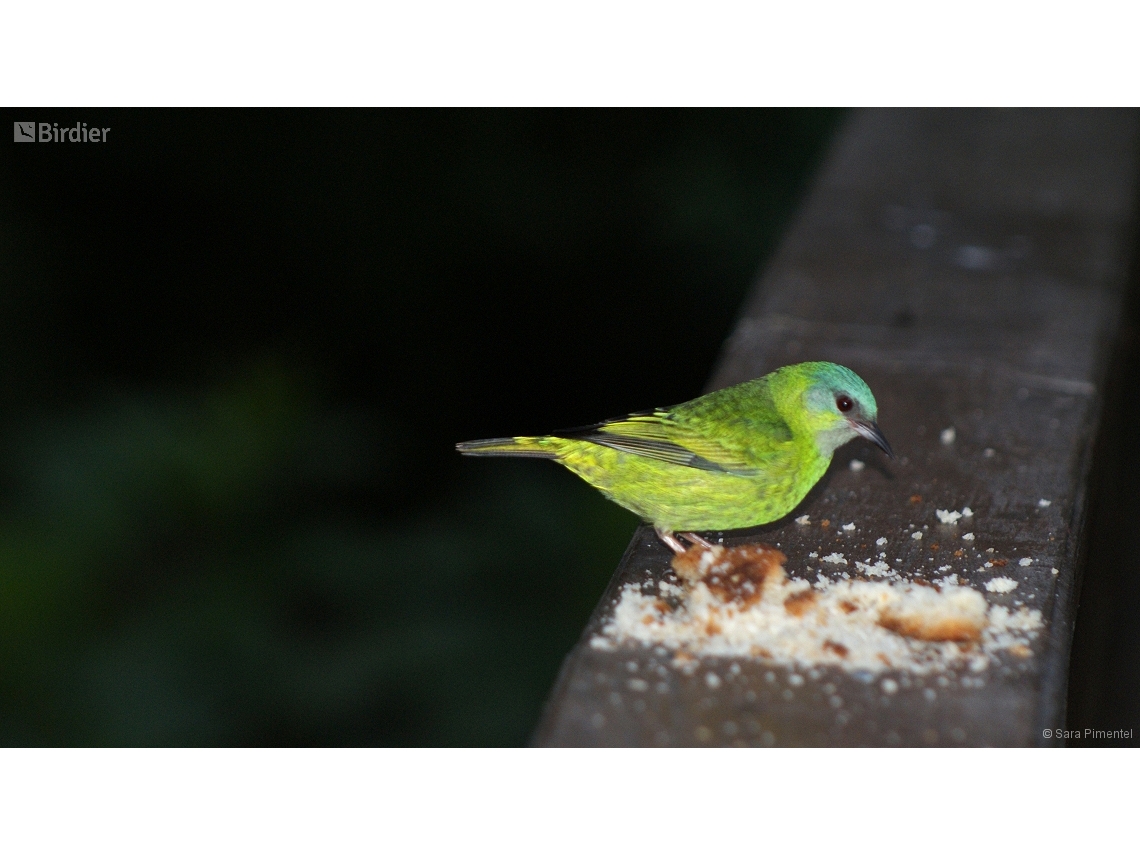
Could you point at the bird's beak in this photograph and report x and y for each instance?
(871, 431)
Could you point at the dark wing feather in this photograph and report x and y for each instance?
(656, 435)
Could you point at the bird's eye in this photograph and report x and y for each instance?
(844, 403)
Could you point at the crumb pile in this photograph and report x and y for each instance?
(739, 602)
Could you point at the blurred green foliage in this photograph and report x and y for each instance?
(236, 349)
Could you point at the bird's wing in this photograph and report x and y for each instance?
(663, 435)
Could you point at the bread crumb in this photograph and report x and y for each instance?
(858, 625)
(948, 436)
(712, 680)
(857, 465)
(932, 616)
(916, 536)
(968, 536)
(736, 575)
(1043, 503)
(948, 517)
(804, 520)
(1025, 562)
(849, 527)
(966, 512)
(1055, 571)
(889, 686)
(879, 568)
(834, 558)
(1001, 585)
(882, 541)
(800, 602)
(835, 647)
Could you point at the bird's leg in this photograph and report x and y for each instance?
(696, 538)
(669, 540)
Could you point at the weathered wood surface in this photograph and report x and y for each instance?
(971, 266)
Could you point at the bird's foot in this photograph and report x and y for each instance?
(670, 540)
(696, 539)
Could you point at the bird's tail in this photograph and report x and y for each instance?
(509, 446)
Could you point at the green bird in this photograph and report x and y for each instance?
(735, 458)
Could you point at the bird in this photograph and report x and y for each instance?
(734, 458)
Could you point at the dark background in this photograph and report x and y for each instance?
(236, 351)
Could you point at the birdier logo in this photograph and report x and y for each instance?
(52, 132)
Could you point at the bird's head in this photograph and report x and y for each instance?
(838, 406)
